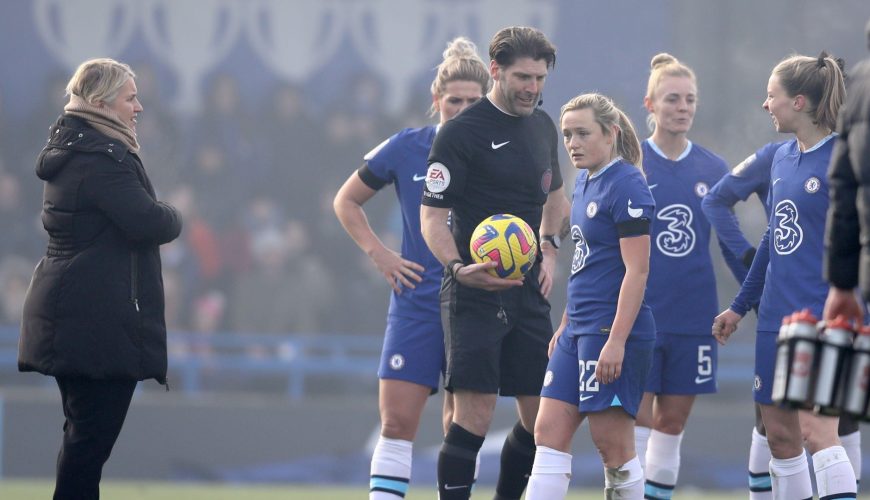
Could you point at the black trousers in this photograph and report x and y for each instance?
(95, 411)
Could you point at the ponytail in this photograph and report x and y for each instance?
(460, 62)
(627, 144)
(820, 80)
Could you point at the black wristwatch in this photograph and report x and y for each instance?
(553, 239)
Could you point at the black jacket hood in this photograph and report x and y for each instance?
(72, 134)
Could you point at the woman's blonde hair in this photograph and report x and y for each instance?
(99, 80)
(662, 65)
(608, 115)
(820, 80)
(461, 62)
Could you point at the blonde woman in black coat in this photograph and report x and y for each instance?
(93, 316)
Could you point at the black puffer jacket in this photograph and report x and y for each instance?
(95, 304)
(847, 238)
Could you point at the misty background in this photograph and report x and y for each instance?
(255, 112)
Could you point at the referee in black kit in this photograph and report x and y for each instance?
(498, 156)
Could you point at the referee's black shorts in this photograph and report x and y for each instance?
(488, 354)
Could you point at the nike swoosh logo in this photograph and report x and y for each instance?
(496, 146)
(653, 186)
(584, 398)
(448, 487)
(776, 180)
(634, 212)
(701, 380)
(418, 178)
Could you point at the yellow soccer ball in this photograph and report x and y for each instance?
(508, 240)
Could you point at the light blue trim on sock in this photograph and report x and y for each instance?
(760, 482)
(657, 492)
(389, 484)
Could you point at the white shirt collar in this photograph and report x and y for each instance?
(605, 167)
(661, 153)
(822, 142)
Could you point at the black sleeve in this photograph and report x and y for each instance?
(842, 245)
(448, 166)
(557, 172)
(120, 195)
(634, 227)
(370, 179)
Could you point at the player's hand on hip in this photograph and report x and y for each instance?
(724, 325)
(476, 276)
(609, 366)
(398, 272)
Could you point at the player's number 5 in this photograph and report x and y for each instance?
(705, 360)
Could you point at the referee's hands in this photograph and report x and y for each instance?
(476, 276)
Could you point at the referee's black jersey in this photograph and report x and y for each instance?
(485, 162)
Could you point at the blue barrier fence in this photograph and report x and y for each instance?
(206, 362)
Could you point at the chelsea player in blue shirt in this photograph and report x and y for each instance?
(607, 332)
(679, 174)
(804, 95)
(413, 353)
(752, 175)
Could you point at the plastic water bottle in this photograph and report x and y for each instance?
(800, 345)
(835, 348)
(855, 401)
(780, 372)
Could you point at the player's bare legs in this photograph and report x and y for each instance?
(666, 416)
(473, 410)
(555, 426)
(401, 406)
(447, 411)
(787, 430)
(612, 431)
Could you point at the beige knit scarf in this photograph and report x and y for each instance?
(105, 120)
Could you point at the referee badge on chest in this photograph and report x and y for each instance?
(546, 181)
(591, 209)
(812, 185)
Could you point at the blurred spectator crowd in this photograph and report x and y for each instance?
(254, 178)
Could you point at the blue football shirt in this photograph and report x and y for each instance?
(613, 204)
(682, 284)
(786, 274)
(401, 160)
(751, 176)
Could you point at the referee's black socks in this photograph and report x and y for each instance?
(456, 463)
(517, 458)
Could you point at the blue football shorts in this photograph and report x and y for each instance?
(570, 375)
(413, 351)
(765, 364)
(683, 364)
